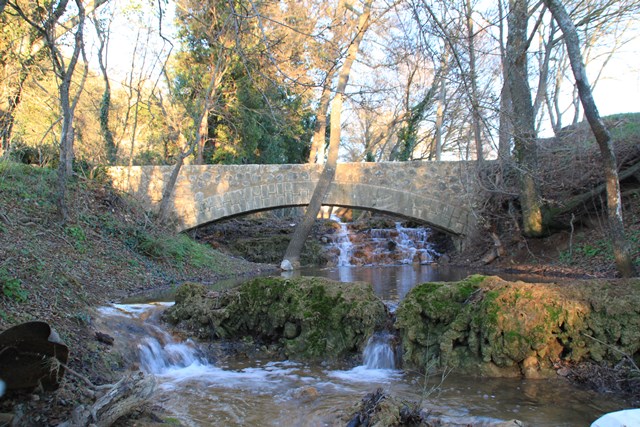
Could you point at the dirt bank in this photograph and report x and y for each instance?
(58, 273)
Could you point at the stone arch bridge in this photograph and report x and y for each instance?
(437, 193)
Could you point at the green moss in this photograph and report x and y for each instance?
(493, 325)
(310, 318)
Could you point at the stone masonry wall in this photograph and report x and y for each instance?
(440, 193)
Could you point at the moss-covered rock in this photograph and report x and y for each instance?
(490, 326)
(308, 317)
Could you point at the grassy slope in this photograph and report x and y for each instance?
(108, 249)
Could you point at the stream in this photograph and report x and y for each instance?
(202, 389)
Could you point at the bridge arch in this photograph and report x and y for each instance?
(438, 193)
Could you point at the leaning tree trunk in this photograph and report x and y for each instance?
(621, 250)
(167, 192)
(202, 126)
(523, 120)
(292, 255)
(317, 152)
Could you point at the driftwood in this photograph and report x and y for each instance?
(123, 398)
(495, 252)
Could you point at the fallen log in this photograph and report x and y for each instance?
(127, 395)
(574, 202)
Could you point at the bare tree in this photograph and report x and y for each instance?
(64, 72)
(621, 250)
(318, 141)
(523, 117)
(473, 80)
(292, 254)
(226, 32)
(44, 30)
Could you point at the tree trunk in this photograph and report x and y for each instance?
(105, 103)
(475, 104)
(203, 134)
(621, 249)
(7, 119)
(523, 120)
(163, 211)
(203, 126)
(65, 168)
(66, 147)
(442, 96)
(317, 152)
(292, 254)
(505, 129)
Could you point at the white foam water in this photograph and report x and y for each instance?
(287, 393)
(379, 352)
(342, 242)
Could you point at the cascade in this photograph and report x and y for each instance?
(342, 242)
(159, 355)
(240, 390)
(381, 246)
(158, 351)
(414, 241)
(379, 353)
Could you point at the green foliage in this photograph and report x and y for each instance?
(179, 249)
(256, 119)
(306, 317)
(12, 287)
(78, 236)
(594, 249)
(82, 318)
(21, 183)
(42, 154)
(624, 126)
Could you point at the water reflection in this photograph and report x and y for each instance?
(389, 283)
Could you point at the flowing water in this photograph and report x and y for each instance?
(204, 390)
(343, 243)
(380, 246)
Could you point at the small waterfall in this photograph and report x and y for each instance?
(146, 341)
(379, 353)
(380, 246)
(414, 241)
(402, 245)
(343, 243)
(157, 356)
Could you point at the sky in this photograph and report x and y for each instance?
(617, 91)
